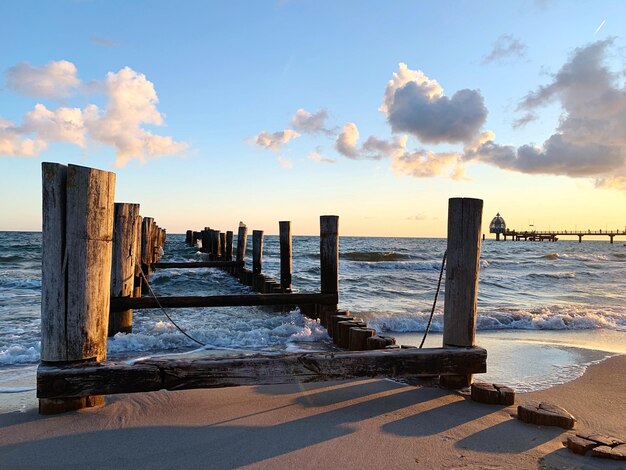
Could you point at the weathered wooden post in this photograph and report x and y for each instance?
(229, 245)
(215, 244)
(124, 257)
(242, 239)
(329, 262)
(461, 288)
(138, 279)
(222, 251)
(257, 257)
(76, 270)
(146, 251)
(285, 255)
(188, 237)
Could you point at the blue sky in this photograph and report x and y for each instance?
(225, 72)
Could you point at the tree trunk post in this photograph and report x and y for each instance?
(286, 263)
(329, 262)
(461, 287)
(124, 257)
(77, 236)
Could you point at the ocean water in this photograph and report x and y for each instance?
(562, 304)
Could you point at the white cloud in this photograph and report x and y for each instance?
(416, 104)
(131, 104)
(12, 144)
(424, 164)
(275, 140)
(346, 141)
(505, 47)
(317, 156)
(307, 123)
(590, 140)
(55, 80)
(284, 163)
(59, 125)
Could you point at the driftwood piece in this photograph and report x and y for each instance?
(580, 446)
(186, 373)
(357, 338)
(545, 414)
(492, 394)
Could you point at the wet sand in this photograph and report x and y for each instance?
(349, 424)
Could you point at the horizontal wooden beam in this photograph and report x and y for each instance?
(186, 373)
(244, 300)
(199, 264)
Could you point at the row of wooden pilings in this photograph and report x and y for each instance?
(346, 331)
(77, 300)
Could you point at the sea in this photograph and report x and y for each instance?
(546, 310)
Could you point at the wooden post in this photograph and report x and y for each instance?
(125, 230)
(206, 242)
(138, 278)
(222, 246)
(229, 245)
(285, 255)
(329, 262)
(242, 239)
(76, 270)
(461, 288)
(257, 255)
(188, 237)
(146, 250)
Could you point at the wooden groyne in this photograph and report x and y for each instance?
(97, 255)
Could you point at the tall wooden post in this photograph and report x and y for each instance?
(222, 250)
(146, 250)
(285, 255)
(138, 278)
(125, 228)
(329, 262)
(461, 288)
(257, 256)
(242, 239)
(76, 269)
(229, 245)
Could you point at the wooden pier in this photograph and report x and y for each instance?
(97, 259)
(552, 235)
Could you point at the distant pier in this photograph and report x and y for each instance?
(552, 235)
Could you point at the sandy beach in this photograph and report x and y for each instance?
(349, 424)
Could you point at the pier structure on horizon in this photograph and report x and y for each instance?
(499, 228)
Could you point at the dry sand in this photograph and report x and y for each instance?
(366, 424)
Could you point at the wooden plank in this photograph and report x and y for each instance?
(89, 224)
(196, 264)
(286, 261)
(53, 266)
(124, 303)
(123, 263)
(188, 373)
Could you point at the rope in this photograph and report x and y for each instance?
(165, 313)
(432, 312)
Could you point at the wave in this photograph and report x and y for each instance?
(374, 256)
(578, 256)
(568, 317)
(20, 284)
(563, 275)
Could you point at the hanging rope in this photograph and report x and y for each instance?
(165, 313)
(432, 312)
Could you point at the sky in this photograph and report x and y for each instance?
(211, 113)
